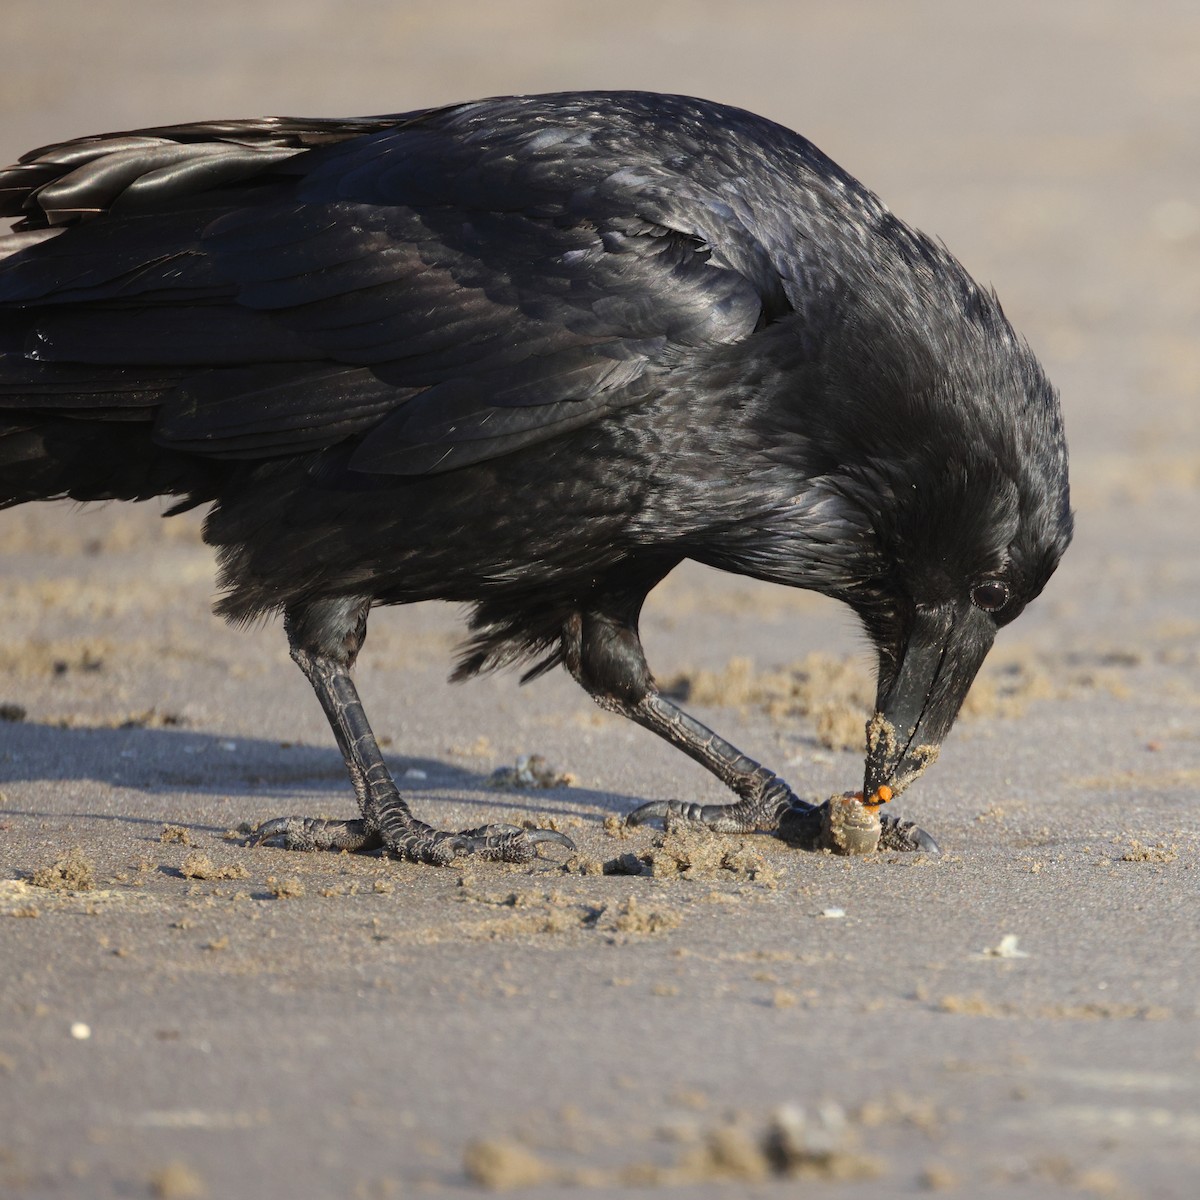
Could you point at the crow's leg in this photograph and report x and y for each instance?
(325, 638)
(603, 651)
(764, 799)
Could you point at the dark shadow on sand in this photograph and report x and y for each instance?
(295, 775)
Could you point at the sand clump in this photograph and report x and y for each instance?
(1141, 853)
(790, 1145)
(199, 865)
(290, 887)
(534, 913)
(71, 873)
(177, 1181)
(976, 1005)
(689, 852)
(633, 917)
(503, 1165)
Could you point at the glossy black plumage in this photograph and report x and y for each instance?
(531, 353)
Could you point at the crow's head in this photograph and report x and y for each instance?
(936, 499)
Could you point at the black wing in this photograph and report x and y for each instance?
(444, 287)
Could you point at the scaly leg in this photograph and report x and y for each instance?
(325, 638)
(767, 803)
(604, 653)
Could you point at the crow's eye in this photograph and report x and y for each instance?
(991, 596)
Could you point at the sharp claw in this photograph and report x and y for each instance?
(679, 810)
(275, 827)
(543, 836)
(655, 810)
(509, 843)
(905, 836)
(925, 841)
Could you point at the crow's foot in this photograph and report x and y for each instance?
(507, 843)
(419, 843)
(760, 815)
(312, 833)
(844, 825)
(387, 822)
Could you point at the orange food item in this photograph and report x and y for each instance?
(882, 796)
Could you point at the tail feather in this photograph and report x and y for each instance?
(53, 457)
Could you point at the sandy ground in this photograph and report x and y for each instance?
(209, 1019)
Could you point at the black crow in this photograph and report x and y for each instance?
(530, 354)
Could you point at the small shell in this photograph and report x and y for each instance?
(849, 826)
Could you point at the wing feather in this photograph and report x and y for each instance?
(442, 287)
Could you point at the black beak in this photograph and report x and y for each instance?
(920, 695)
